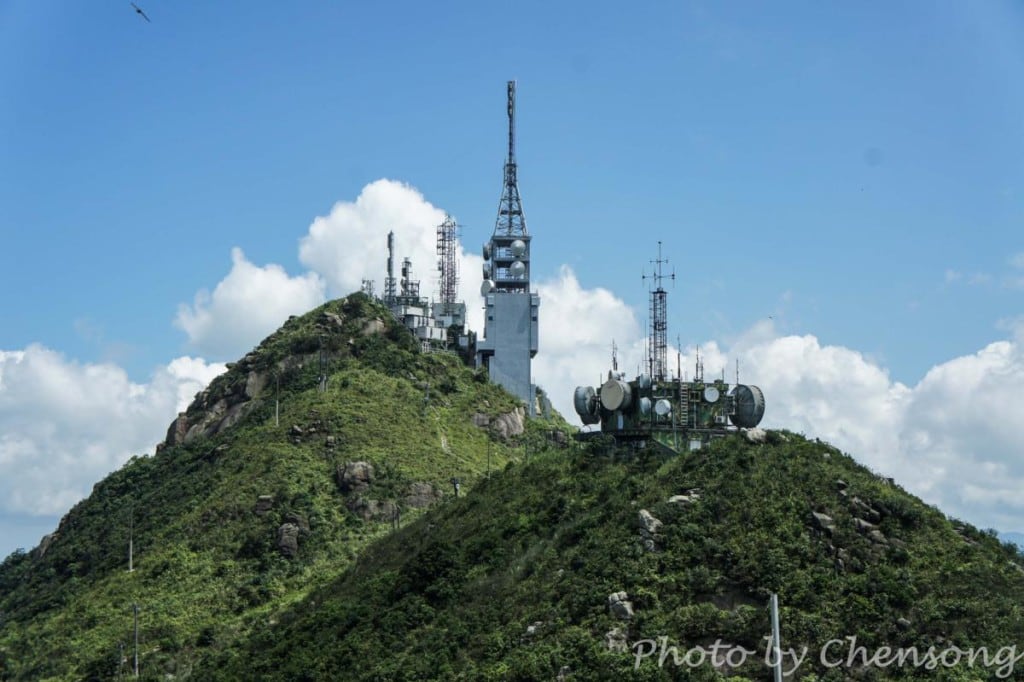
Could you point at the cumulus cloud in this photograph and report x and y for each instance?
(577, 326)
(349, 244)
(64, 425)
(247, 305)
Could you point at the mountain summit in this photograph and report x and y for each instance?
(340, 506)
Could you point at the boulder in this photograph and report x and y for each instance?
(372, 510)
(177, 430)
(755, 435)
(355, 477)
(650, 528)
(823, 522)
(254, 384)
(264, 503)
(615, 640)
(620, 606)
(481, 420)
(863, 526)
(297, 520)
(420, 495)
(510, 424)
(374, 326)
(44, 545)
(288, 539)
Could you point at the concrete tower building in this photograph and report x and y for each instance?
(510, 322)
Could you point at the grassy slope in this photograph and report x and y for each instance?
(453, 594)
(207, 567)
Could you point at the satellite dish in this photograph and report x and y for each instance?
(711, 394)
(749, 402)
(663, 408)
(518, 248)
(585, 402)
(616, 395)
(487, 251)
(487, 270)
(518, 269)
(645, 406)
(644, 381)
(486, 286)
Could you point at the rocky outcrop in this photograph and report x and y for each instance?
(355, 477)
(510, 424)
(44, 545)
(372, 510)
(420, 495)
(288, 539)
(615, 640)
(620, 606)
(755, 435)
(650, 528)
(264, 503)
(374, 326)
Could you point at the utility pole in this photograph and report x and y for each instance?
(131, 538)
(135, 666)
(776, 643)
(277, 398)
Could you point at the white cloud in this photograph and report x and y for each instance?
(1017, 260)
(577, 327)
(247, 305)
(64, 425)
(350, 244)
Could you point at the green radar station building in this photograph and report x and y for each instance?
(658, 409)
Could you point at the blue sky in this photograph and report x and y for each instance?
(853, 173)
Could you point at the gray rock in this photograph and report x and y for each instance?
(620, 606)
(681, 499)
(254, 384)
(372, 510)
(615, 640)
(44, 545)
(841, 484)
(755, 435)
(877, 537)
(481, 420)
(510, 424)
(420, 495)
(374, 326)
(288, 539)
(264, 503)
(177, 430)
(649, 530)
(823, 522)
(863, 526)
(534, 628)
(563, 673)
(355, 477)
(903, 623)
(297, 520)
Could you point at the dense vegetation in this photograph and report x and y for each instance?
(512, 582)
(208, 568)
(513, 579)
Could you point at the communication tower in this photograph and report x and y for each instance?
(657, 344)
(510, 325)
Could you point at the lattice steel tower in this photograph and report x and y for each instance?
(448, 261)
(510, 327)
(657, 342)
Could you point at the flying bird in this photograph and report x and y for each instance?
(140, 12)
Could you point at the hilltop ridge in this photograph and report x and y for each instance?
(239, 512)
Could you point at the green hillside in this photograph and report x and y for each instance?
(237, 518)
(515, 581)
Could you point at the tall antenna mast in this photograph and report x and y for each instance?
(448, 262)
(615, 357)
(511, 221)
(390, 287)
(658, 345)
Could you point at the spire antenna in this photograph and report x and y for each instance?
(657, 345)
